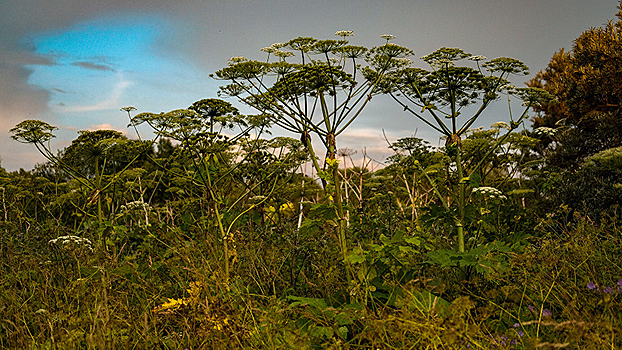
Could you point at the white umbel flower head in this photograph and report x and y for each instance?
(489, 192)
(402, 62)
(545, 131)
(477, 58)
(135, 205)
(500, 125)
(344, 33)
(236, 60)
(283, 54)
(269, 49)
(72, 243)
(388, 37)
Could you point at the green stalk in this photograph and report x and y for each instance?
(225, 244)
(98, 180)
(223, 233)
(461, 189)
(98, 193)
(332, 148)
(342, 219)
(461, 183)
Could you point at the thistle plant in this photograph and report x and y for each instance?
(320, 95)
(439, 97)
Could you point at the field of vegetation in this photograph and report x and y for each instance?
(212, 235)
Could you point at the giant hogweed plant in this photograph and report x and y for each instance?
(87, 158)
(442, 96)
(321, 94)
(215, 156)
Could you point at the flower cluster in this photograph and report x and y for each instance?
(500, 125)
(273, 48)
(607, 290)
(283, 54)
(72, 243)
(508, 87)
(402, 62)
(344, 33)
(135, 205)
(477, 58)
(442, 63)
(545, 131)
(236, 60)
(490, 192)
(388, 37)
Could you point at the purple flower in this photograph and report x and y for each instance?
(520, 333)
(592, 286)
(620, 284)
(609, 290)
(516, 325)
(546, 313)
(530, 307)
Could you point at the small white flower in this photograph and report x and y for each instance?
(442, 63)
(477, 58)
(403, 62)
(481, 128)
(508, 87)
(135, 205)
(333, 61)
(545, 131)
(344, 33)
(277, 45)
(72, 242)
(269, 49)
(283, 54)
(500, 125)
(489, 192)
(238, 59)
(388, 37)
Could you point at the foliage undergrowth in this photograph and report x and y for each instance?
(563, 290)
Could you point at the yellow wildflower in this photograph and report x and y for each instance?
(170, 304)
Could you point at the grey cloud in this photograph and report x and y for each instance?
(18, 101)
(92, 65)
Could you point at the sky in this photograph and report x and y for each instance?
(75, 63)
